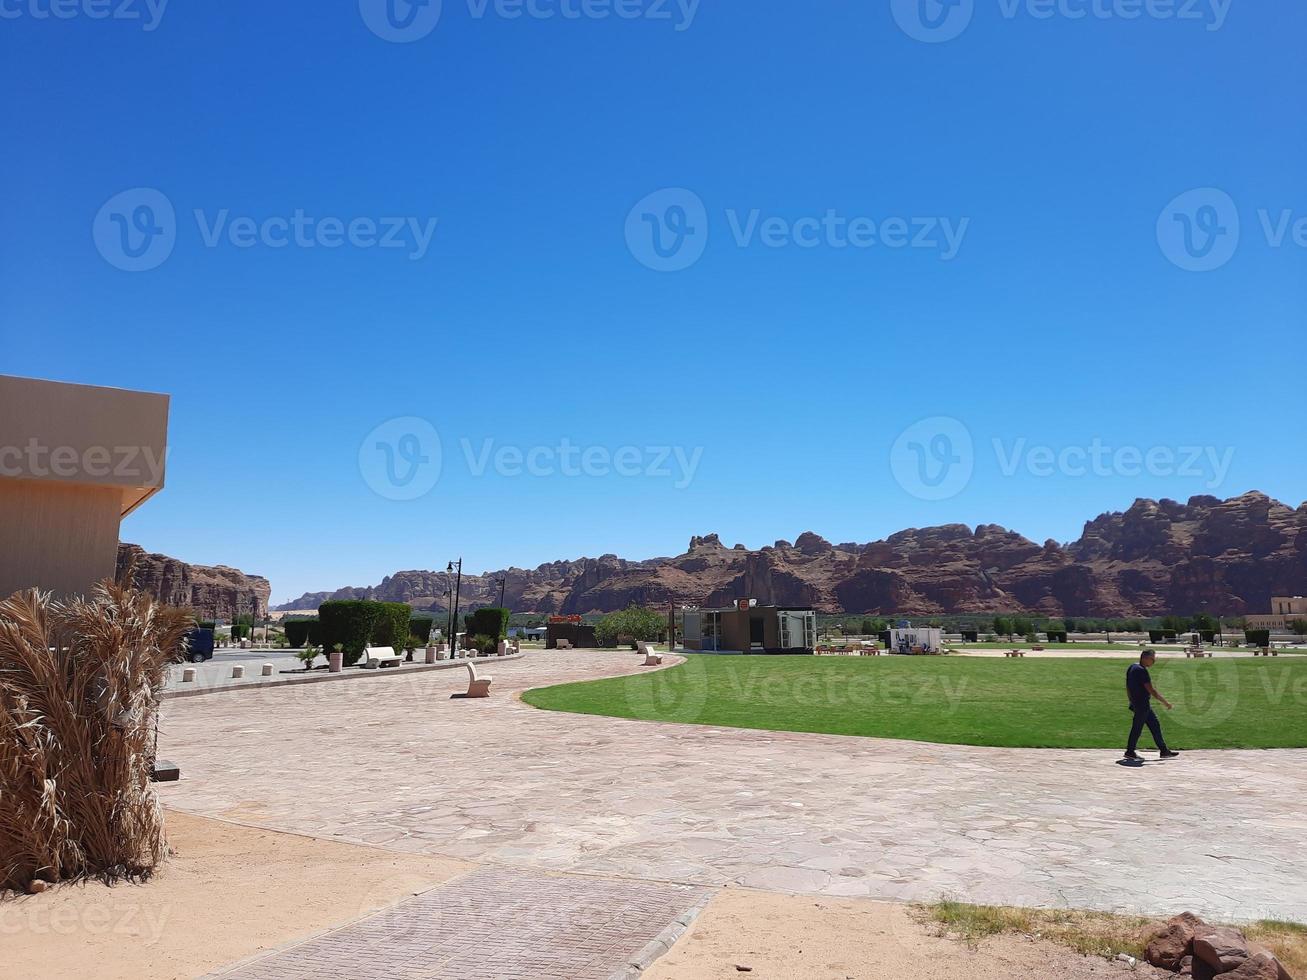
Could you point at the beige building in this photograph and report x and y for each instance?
(1284, 610)
(74, 460)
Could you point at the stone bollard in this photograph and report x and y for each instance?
(238, 672)
(431, 654)
(267, 670)
(188, 675)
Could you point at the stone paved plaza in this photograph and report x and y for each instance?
(492, 924)
(399, 765)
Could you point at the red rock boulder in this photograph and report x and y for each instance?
(1169, 945)
(1221, 947)
(1261, 966)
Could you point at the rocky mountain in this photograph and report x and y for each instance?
(1158, 557)
(214, 593)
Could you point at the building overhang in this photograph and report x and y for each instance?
(84, 436)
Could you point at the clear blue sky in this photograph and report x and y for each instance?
(1062, 318)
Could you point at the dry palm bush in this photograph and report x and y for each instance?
(79, 692)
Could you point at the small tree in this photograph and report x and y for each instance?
(634, 622)
(1299, 627)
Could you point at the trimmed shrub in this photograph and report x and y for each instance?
(970, 636)
(300, 631)
(1208, 636)
(489, 622)
(1257, 638)
(1056, 636)
(421, 627)
(1155, 636)
(349, 622)
(391, 626)
(206, 624)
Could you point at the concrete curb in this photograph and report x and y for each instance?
(664, 941)
(350, 674)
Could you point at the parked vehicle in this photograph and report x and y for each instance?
(198, 645)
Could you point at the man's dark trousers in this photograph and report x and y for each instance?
(1145, 715)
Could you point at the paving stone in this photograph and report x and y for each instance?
(396, 762)
(493, 923)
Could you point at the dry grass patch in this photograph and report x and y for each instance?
(1094, 933)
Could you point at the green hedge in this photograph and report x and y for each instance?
(421, 627)
(1258, 638)
(391, 626)
(351, 623)
(489, 622)
(1156, 636)
(1056, 636)
(301, 631)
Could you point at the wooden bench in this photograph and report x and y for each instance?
(477, 686)
(1014, 653)
(376, 657)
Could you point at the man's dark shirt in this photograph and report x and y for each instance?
(1136, 685)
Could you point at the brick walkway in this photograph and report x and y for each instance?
(494, 924)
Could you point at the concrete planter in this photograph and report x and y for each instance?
(431, 655)
(335, 662)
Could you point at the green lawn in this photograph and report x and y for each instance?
(1039, 703)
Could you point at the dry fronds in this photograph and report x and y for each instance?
(79, 694)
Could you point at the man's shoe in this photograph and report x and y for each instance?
(1168, 754)
(1132, 755)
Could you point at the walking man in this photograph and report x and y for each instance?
(1139, 688)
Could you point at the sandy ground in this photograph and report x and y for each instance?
(788, 937)
(228, 892)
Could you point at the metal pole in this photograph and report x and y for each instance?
(458, 585)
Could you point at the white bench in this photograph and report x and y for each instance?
(652, 658)
(477, 686)
(376, 657)
(563, 644)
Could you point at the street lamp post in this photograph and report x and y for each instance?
(453, 628)
(501, 582)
